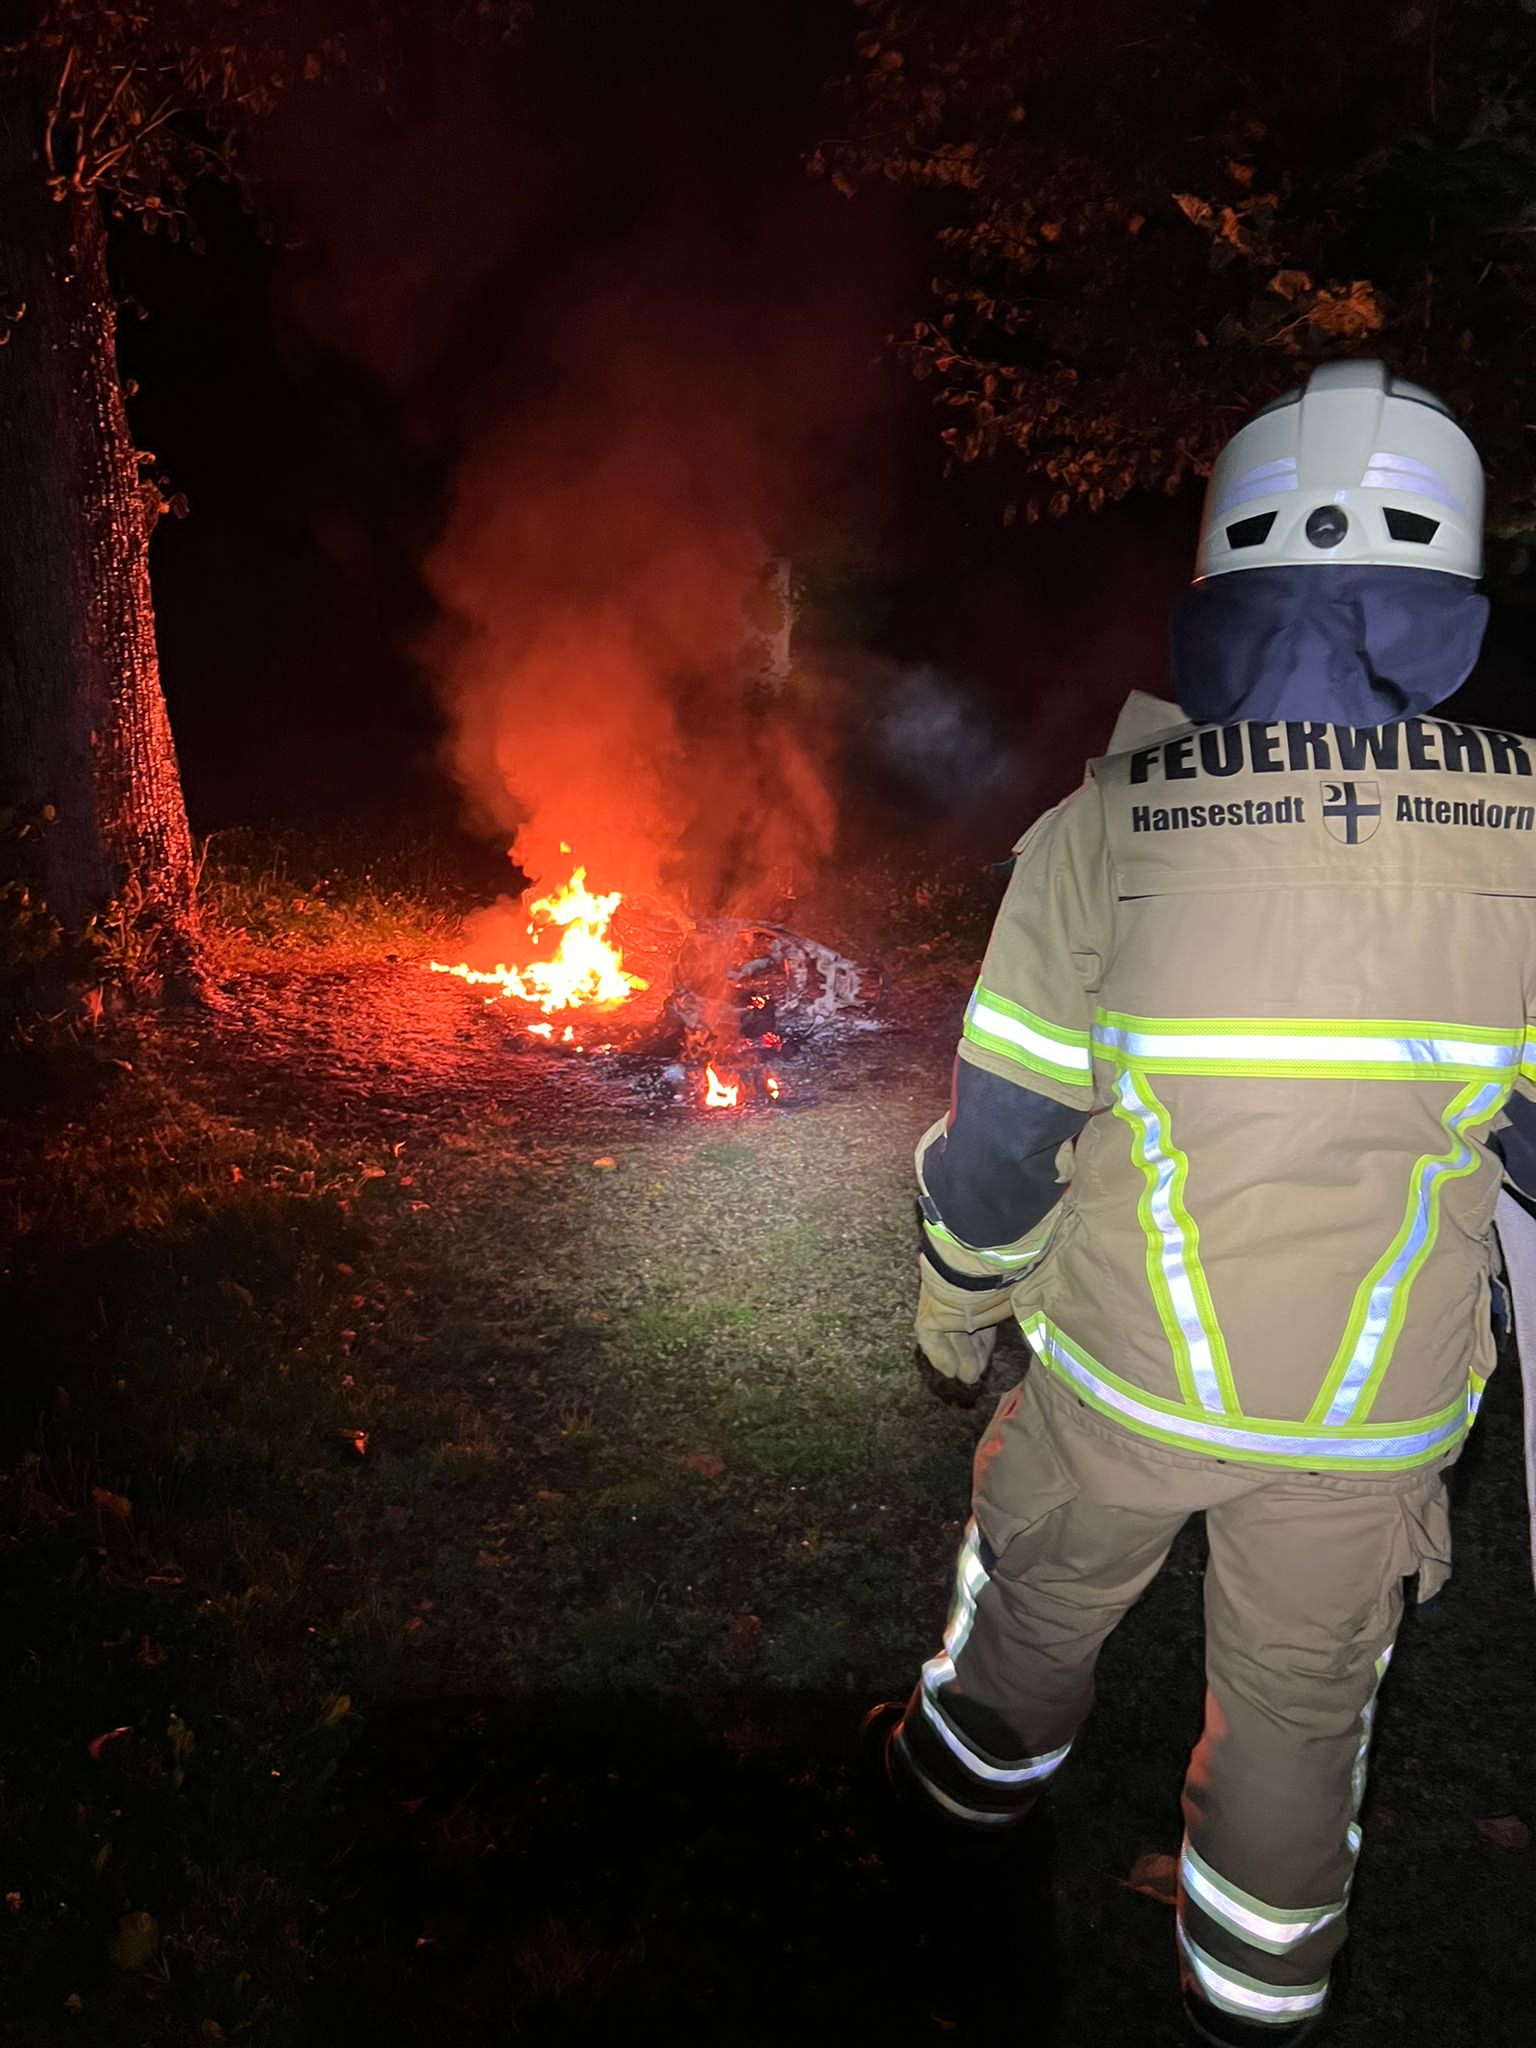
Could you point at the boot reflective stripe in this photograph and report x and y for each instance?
(1030, 1772)
(1249, 1997)
(1173, 1252)
(1381, 1301)
(1364, 1446)
(1275, 1929)
(999, 1026)
(1308, 1048)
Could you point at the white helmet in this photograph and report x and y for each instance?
(1359, 468)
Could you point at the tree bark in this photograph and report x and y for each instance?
(83, 725)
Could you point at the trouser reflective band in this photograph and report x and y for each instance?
(1008, 1788)
(1231, 1991)
(1275, 1929)
(1363, 1754)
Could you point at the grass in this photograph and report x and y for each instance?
(294, 895)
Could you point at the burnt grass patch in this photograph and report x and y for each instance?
(451, 1532)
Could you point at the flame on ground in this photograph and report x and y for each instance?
(585, 968)
(720, 1094)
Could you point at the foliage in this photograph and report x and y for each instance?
(290, 894)
(1149, 221)
(142, 97)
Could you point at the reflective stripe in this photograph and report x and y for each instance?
(971, 1578)
(1275, 1929)
(1308, 1048)
(983, 1816)
(1269, 477)
(1173, 1252)
(996, 1255)
(1030, 1772)
(1382, 1447)
(1381, 1300)
(1363, 1752)
(1250, 1997)
(999, 1026)
(1386, 472)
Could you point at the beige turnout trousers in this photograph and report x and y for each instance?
(1072, 1519)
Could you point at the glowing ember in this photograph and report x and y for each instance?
(771, 1083)
(586, 967)
(719, 1094)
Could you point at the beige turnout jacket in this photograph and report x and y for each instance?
(1290, 970)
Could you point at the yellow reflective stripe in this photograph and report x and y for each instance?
(1177, 1278)
(1275, 1929)
(1381, 1300)
(991, 1255)
(1008, 1029)
(1306, 1048)
(1358, 1447)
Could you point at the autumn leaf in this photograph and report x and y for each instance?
(98, 1743)
(136, 1942)
(335, 1708)
(1350, 315)
(117, 1505)
(1197, 210)
(705, 1463)
(1506, 1831)
(1290, 284)
(1155, 1876)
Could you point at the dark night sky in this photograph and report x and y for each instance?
(431, 265)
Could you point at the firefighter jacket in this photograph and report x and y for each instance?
(1262, 992)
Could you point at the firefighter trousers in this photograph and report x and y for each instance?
(1303, 1594)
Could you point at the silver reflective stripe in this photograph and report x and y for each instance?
(1030, 1772)
(1246, 1049)
(1320, 1450)
(970, 1578)
(1387, 472)
(1053, 1051)
(1275, 1929)
(1268, 477)
(979, 1816)
(1423, 1199)
(1173, 1247)
(1363, 1752)
(1250, 1997)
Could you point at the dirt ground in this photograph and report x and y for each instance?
(629, 1502)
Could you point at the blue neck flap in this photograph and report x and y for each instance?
(1348, 646)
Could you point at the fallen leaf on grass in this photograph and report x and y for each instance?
(136, 1942)
(1155, 1876)
(741, 1637)
(98, 1743)
(335, 1709)
(1505, 1831)
(605, 1164)
(549, 1496)
(705, 1463)
(117, 1505)
(355, 1440)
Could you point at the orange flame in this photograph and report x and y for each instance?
(586, 967)
(720, 1094)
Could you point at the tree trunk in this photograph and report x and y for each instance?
(83, 725)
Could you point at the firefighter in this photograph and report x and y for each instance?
(1224, 1138)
